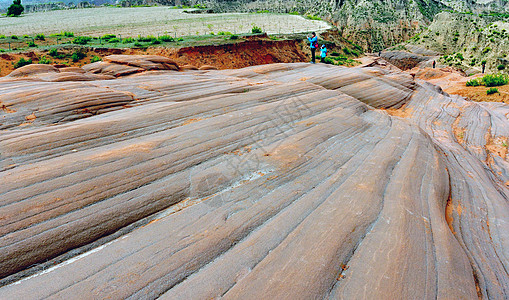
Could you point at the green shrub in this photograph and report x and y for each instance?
(500, 67)
(81, 40)
(53, 52)
(486, 50)
(149, 38)
(14, 37)
(180, 39)
(224, 33)
(234, 37)
(15, 9)
(166, 38)
(474, 82)
(26, 36)
(31, 44)
(312, 17)
(45, 61)
(156, 42)
(22, 62)
(68, 34)
(137, 44)
(473, 62)
(128, 40)
(459, 56)
(95, 58)
(40, 37)
(256, 29)
(107, 37)
(455, 39)
(77, 56)
(114, 40)
(490, 80)
(491, 91)
(329, 61)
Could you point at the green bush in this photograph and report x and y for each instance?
(459, 56)
(312, 17)
(500, 67)
(329, 61)
(486, 50)
(81, 40)
(491, 91)
(128, 40)
(256, 29)
(26, 36)
(95, 58)
(234, 37)
(40, 37)
(180, 39)
(77, 56)
(166, 38)
(31, 44)
(107, 37)
(14, 37)
(473, 62)
(68, 34)
(156, 42)
(53, 52)
(490, 80)
(474, 82)
(22, 62)
(224, 33)
(114, 40)
(45, 61)
(15, 9)
(149, 38)
(137, 44)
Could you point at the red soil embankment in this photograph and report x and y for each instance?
(230, 56)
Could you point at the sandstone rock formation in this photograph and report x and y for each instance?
(282, 181)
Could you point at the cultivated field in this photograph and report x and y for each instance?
(131, 22)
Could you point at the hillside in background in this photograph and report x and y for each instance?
(375, 25)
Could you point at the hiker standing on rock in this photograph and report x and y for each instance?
(323, 54)
(313, 41)
(434, 64)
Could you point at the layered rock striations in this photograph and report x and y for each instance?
(291, 181)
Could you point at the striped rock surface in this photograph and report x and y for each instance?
(285, 181)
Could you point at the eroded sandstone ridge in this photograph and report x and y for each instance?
(283, 181)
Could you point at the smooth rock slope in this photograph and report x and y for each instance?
(283, 181)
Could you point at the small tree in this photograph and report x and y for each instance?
(15, 9)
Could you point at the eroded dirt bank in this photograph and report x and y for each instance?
(253, 51)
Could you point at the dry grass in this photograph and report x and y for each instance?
(131, 22)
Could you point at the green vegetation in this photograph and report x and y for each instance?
(256, 29)
(22, 62)
(14, 37)
(81, 40)
(77, 56)
(499, 79)
(146, 39)
(234, 37)
(45, 61)
(31, 44)
(15, 9)
(491, 91)
(95, 58)
(128, 40)
(489, 80)
(474, 82)
(40, 37)
(500, 67)
(313, 17)
(114, 40)
(166, 38)
(486, 50)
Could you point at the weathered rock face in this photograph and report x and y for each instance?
(278, 181)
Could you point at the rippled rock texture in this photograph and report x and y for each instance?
(284, 181)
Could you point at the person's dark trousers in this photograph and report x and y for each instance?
(313, 50)
(322, 59)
